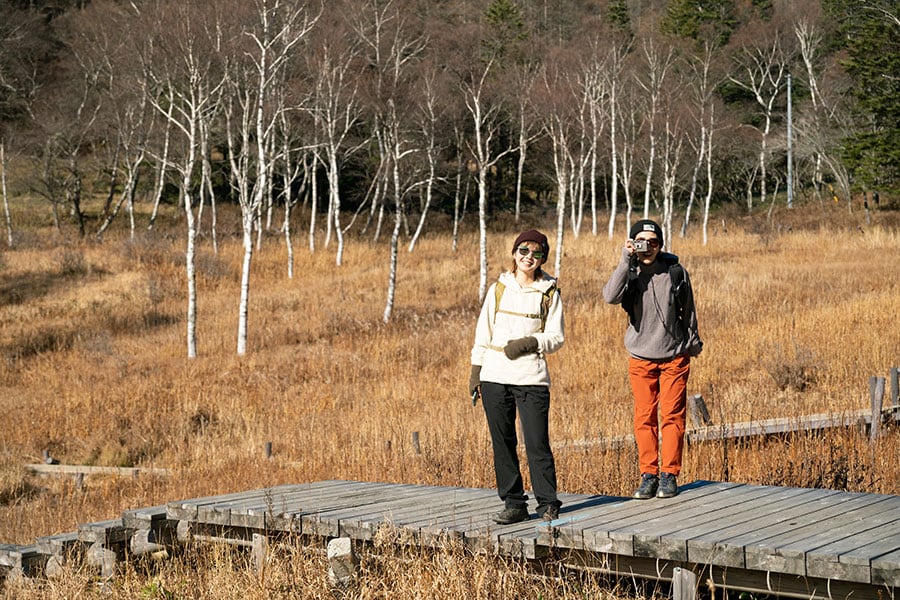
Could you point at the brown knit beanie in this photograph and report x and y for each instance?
(533, 235)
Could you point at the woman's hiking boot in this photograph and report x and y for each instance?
(511, 514)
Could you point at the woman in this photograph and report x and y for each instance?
(521, 321)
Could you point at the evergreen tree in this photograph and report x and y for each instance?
(506, 29)
(872, 43)
(618, 15)
(700, 20)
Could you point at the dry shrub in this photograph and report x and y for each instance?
(71, 261)
(795, 371)
(15, 485)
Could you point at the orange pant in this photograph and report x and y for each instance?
(659, 385)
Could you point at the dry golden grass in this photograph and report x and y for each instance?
(94, 369)
(296, 570)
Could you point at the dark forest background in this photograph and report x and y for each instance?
(375, 108)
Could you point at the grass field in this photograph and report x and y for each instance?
(795, 318)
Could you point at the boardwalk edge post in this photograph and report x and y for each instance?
(342, 563)
(876, 397)
(684, 584)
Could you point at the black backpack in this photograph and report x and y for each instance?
(680, 288)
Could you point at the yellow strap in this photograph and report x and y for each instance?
(518, 314)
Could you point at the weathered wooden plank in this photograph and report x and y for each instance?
(45, 469)
(574, 518)
(144, 518)
(721, 543)
(608, 531)
(107, 532)
(187, 508)
(362, 523)
(841, 539)
(463, 523)
(850, 557)
(222, 512)
(218, 511)
(319, 523)
(19, 561)
(667, 537)
(886, 568)
(443, 502)
(785, 551)
(340, 512)
(782, 425)
(288, 505)
(470, 522)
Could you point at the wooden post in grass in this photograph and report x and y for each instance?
(258, 550)
(415, 442)
(895, 386)
(684, 584)
(876, 397)
(699, 414)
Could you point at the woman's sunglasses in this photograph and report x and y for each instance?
(525, 251)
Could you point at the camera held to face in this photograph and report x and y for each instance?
(641, 246)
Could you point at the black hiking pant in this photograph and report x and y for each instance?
(532, 402)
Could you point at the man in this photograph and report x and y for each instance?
(661, 338)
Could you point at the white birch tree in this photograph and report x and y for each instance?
(763, 71)
(7, 218)
(253, 110)
(658, 62)
(613, 85)
(703, 86)
(561, 106)
(392, 51)
(335, 111)
(485, 110)
(182, 67)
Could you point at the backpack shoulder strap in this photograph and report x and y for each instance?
(498, 293)
(546, 300)
(680, 289)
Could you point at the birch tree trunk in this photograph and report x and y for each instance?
(428, 124)
(275, 36)
(162, 159)
(8, 219)
(334, 112)
(671, 158)
(485, 119)
(709, 180)
(703, 92)
(658, 66)
(765, 69)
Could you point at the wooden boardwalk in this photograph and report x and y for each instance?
(804, 543)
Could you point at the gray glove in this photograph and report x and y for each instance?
(474, 379)
(519, 347)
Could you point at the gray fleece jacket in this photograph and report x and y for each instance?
(656, 333)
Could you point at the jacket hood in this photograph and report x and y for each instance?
(541, 284)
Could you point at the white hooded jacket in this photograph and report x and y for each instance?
(517, 316)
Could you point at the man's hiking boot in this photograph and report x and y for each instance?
(648, 487)
(551, 514)
(510, 515)
(668, 486)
